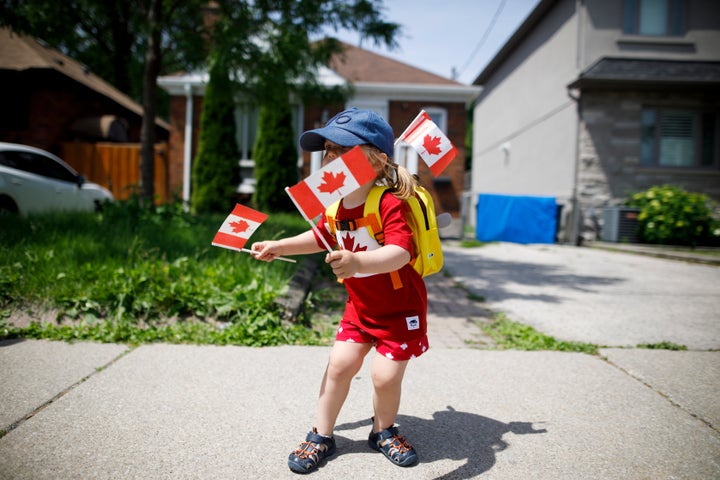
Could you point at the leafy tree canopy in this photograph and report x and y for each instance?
(267, 42)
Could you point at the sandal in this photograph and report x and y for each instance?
(311, 452)
(393, 446)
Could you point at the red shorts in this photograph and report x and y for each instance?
(400, 351)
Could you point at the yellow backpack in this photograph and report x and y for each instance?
(421, 218)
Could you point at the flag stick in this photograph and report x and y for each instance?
(284, 259)
(312, 224)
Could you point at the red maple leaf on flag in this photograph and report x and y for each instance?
(331, 182)
(349, 244)
(432, 144)
(239, 226)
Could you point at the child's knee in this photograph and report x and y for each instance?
(383, 379)
(343, 368)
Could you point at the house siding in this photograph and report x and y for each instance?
(52, 103)
(538, 131)
(524, 122)
(610, 168)
(396, 91)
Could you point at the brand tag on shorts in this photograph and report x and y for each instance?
(413, 323)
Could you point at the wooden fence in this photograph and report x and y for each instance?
(116, 166)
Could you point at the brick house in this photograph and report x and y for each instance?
(590, 101)
(394, 90)
(48, 99)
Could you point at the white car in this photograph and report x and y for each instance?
(33, 180)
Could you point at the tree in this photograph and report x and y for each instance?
(215, 169)
(275, 156)
(108, 35)
(264, 38)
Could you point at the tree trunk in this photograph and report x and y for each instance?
(153, 61)
(121, 54)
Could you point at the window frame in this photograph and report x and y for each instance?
(247, 120)
(699, 130)
(675, 24)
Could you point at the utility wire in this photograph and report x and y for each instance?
(482, 41)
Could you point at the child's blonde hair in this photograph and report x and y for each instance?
(396, 176)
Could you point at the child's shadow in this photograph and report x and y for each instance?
(453, 435)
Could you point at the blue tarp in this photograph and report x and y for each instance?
(518, 219)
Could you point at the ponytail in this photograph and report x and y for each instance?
(397, 177)
(405, 182)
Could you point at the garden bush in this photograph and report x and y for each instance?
(670, 215)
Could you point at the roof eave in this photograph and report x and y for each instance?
(416, 91)
(615, 83)
(195, 83)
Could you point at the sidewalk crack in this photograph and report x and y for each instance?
(5, 430)
(663, 395)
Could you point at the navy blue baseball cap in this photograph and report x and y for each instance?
(349, 128)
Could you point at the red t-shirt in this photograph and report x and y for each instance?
(373, 304)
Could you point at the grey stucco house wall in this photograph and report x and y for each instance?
(592, 100)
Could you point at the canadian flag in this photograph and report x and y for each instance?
(430, 142)
(343, 175)
(237, 227)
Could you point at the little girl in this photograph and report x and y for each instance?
(393, 320)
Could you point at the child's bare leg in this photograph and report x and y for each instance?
(346, 359)
(387, 376)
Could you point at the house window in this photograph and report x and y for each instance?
(246, 125)
(654, 17)
(246, 122)
(439, 116)
(407, 157)
(679, 138)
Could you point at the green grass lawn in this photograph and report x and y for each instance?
(132, 275)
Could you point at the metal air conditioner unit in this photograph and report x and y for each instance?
(620, 224)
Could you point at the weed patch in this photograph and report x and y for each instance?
(509, 334)
(662, 346)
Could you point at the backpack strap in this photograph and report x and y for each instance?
(330, 214)
(372, 213)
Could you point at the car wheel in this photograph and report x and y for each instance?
(7, 206)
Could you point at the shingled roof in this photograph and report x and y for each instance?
(21, 52)
(615, 71)
(358, 65)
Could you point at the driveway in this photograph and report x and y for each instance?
(590, 295)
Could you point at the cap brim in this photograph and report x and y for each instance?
(314, 140)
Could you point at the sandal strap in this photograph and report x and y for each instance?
(313, 444)
(392, 437)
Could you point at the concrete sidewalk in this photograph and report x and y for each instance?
(89, 410)
(179, 411)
